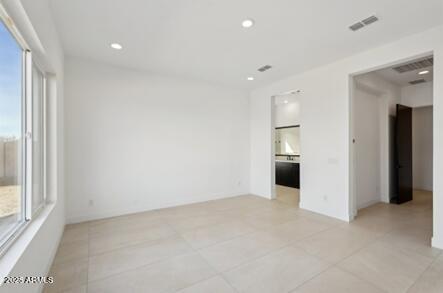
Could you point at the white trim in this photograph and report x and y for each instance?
(26, 213)
(19, 226)
(10, 25)
(353, 206)
(28, 136)
(437, 242)
(44, 138)
(146, 208)
(42, 116)
(20, 240)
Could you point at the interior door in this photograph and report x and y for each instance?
(403, 149)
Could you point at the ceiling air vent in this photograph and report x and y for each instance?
(415, 65)
(362, 23)
(264, 68)
(417, 81)
(356, 26)
(369, 20)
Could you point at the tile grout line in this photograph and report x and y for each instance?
(422, 273)
(155, 262)
(217, 273)
(331, 265)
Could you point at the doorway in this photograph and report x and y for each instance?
(286, 154)
(391, 126)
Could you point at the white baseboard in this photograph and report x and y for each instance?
(303, 206)
(437, 242)
(368, 204)
(132, 210)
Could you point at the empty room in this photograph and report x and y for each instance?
(221, 146)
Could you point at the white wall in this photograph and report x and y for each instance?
(32, 253)
(287, 114)
(422, 147)
(419, 95)
(389, 96)
(326, 175)
(137, 141)
(367, 147)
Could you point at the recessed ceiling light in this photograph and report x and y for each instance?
(116, 46)
(250, 78)
(285, 101)
(423, 72)
(247, 23)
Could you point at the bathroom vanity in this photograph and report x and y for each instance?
(287, 156)
(287, 172)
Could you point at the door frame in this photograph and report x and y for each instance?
(273, 127)
(351, 87)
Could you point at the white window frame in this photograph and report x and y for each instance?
(34, 64)
(27, 144)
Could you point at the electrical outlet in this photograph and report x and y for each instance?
(91, 202)
(325, 197)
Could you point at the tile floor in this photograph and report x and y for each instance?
(250, 244)
(287, 195)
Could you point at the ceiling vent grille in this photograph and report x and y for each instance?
(361, 24)
(264, 68)
(356, 26)
(417, 81)
(416, 65)
(369, 20)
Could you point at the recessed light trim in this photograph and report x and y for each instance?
(423, 72)
(247, 23)
(116, 46)
(285, 101)
(250, 78)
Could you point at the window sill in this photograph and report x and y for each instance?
(16, 249)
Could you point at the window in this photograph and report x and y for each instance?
(38, 138)
(22, 135)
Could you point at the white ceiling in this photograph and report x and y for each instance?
(203, 39)
(403, 79)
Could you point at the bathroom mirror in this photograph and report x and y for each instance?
(287, 140)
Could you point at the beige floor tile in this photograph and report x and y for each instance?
(68, 275)
(331, 222)
(287, 195)
(75, 232)
(335, 280)
(431, 281)
(81, 289)
(71, 251)
(214, 285)
(411, 239)
(266, 218)
(298, 229)
(190, 223)
(226, 255)
(239, 202)
(103, 242)
(206, 236)
(135, 221)
(185, 211)
(336, 243)
(167, 276)
(386, 267)
(387, 246)
(279, 271)
(123, 259)
(378, 225)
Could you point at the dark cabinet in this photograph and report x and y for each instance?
(287, 174)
